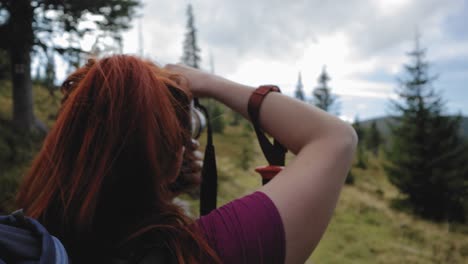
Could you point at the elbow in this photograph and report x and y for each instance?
(345, 140)
(338, 137)
(352, 137)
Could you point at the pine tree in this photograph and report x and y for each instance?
(4, 65)
(373, 138)
(361, 158)
(322, 96)
(49, 77)
(30, 26)
(217, 118)
(191, 56)
(427, 154)
(235, 118)
(299, 93)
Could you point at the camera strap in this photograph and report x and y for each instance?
(209, 184)
(274, 153)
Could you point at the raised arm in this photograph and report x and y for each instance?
(306, 191)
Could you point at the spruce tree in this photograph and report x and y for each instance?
(322, 96)
(191, 56)
(299, 93)
(30, 26)
(4, 65)
(361, 158)
(49, 77)
(235, 118)
(427, 156)
(217, 118)
(373, 138)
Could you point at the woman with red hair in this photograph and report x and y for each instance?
(104, 180)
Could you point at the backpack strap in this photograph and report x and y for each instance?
(25, 239)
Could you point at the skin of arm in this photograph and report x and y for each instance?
(307, 190)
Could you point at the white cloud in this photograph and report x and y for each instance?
(361, 106)
(347, 118)
(391, 7)
(269, 41)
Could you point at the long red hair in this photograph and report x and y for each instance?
(101, 177)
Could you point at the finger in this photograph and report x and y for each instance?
(196, 177)
(169, 66)
(174, 68)
(196, 143)
(198, 155)
(198, 164)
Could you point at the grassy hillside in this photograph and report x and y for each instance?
(16, 149)
(368, 229)
(365, 228)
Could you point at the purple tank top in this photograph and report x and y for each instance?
(246, 230)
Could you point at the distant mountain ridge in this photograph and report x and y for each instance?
(382, 125)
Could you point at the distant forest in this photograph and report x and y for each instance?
(383, 125)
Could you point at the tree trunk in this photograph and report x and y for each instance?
(21, 41)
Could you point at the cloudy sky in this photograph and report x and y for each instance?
(363, 43)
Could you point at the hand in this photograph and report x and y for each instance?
(200, 81)
(193, 163)
(189, 177)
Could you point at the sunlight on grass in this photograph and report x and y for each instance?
(365, 228)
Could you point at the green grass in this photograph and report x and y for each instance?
(16, 149)
(365, 228)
